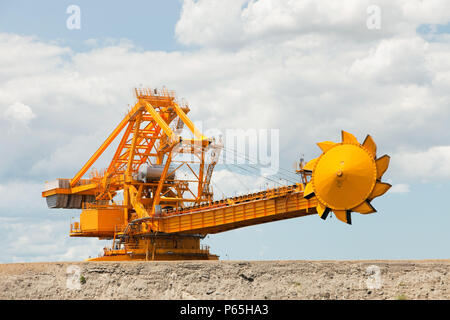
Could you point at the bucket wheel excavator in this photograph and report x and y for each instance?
(150, 212)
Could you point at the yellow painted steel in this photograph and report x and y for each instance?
(228, 217)
(99, 222)
(188, 122)
(105, 144)
(87, 189)
(165, 218)
(160, 121)
(346, 177)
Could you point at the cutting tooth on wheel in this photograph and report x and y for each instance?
(370, 146)
(309, 191)
(322, 210)
(364, 208)
(349, 217)
(382, 165)
(380, 189)
(343, 215)
(310, 165)
(326, 145)
(349, 138)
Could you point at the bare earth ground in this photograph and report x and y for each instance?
(425, 279)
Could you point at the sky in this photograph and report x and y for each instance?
(306, 68)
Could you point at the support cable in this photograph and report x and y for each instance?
(244, 156)
(254, 167)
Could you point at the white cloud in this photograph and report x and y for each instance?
(227, 24)
(19, 54)
(395, 61)
(66, 160)
(432, 11)
(400, 188)
(21, 198)
(19, 113)
(425, 165)
(203, 22)
(46, 240)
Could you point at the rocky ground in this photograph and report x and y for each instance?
(429, 279)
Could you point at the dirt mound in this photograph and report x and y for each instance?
(429, 279)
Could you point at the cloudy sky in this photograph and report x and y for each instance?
(307, 68)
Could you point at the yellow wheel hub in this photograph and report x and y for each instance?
(346, 177)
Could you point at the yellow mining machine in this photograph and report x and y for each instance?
(163, 216)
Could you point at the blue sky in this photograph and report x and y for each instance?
(240, 65)
(149, 24)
